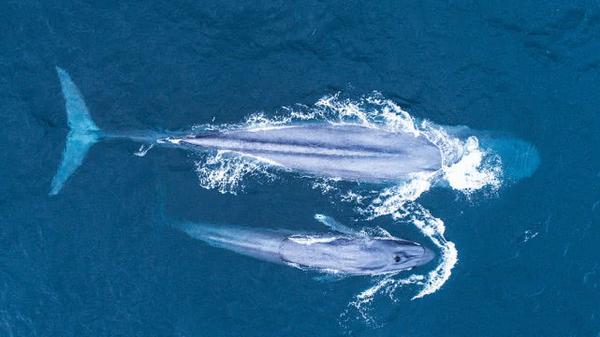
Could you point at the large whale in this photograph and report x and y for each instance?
(342, 251)
(322, 149)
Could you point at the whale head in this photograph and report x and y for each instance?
(394, 255)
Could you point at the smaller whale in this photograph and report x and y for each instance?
(341, 252)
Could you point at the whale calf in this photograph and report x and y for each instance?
(342, 251)
(321, 149)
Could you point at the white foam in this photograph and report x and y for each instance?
(434, 229)
(325, 185)
(469, 173)
(225, 172)
(352, 197)
(391, 200)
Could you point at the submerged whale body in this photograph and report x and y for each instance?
(343, 252)
(321, 149)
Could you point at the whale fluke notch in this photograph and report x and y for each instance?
(82, 135)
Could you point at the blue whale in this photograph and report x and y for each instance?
(321, 149)
(342, 251)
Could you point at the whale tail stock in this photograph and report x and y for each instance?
(83, 132)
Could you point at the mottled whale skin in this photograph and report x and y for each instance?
(349, 253)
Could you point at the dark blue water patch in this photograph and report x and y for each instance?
(97, 260)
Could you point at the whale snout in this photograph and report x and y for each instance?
(427, 255)
(420, 255)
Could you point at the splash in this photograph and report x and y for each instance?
(470, 173)
(226, 172)
(466, 168)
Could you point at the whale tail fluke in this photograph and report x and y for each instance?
(83, 132)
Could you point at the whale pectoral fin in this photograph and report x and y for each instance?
(334, 225)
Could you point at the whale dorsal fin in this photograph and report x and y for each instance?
(334, 225)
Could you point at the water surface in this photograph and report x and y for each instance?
(99, 260)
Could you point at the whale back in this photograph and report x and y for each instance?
(330, 253)
(353, 255)
(349, 152)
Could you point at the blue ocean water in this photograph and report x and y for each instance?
(99, 259)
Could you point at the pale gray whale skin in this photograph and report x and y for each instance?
(320, 149)
(347, 152)
(341, 253)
